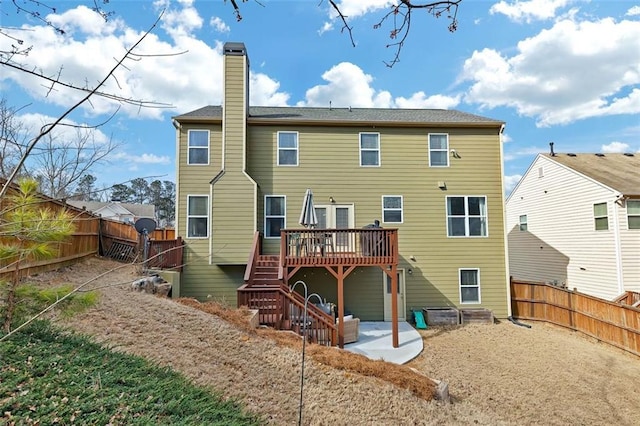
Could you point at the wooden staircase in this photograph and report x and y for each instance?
(280, 307)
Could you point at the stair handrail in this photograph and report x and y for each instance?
(253, 257)
(313, 311)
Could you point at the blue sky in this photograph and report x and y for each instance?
(566, 71)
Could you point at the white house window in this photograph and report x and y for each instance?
(198, 150)
(287, 148)
(469, 285)
(274, 215)
(438, 150)
(600, 216)
(467, 216)
(197, 216)
(392, 208)
(369, 149)
(633, 214)
(523, 222)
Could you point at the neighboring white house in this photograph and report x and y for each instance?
(122, 212)
(574, 220)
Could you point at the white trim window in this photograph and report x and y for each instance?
(467, 216)
(469, 279)
(370, 149)
(287, 148)
(274, 215)
(600, 216)
(523, 222)
(633, 214)
(198, 147)
(392, 207)
(197, 216)
(438, 150)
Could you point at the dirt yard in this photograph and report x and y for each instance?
(498, 374)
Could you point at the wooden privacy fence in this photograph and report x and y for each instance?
(609, 322)
(82, 243)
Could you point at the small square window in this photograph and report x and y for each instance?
(523, 222)
(198, 150)
(633, 214)
(600, 216)
(469, 285)
(467, 216)
(438, 150)
(369, 149)
(392, 208)
(197, 216)
(287, 148)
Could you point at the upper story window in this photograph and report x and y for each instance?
(469, 285)
(274, 215)
(467, 216)
(438, 150)
(392, 208)
(633, 214)
(198, 141)
(287, 148)
(523, 222)
(369, 149)
(600, 217)
(197, 216)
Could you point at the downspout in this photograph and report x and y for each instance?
(176, 224)
(617, 244)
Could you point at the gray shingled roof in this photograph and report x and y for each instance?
(353, 115)
(618, 171)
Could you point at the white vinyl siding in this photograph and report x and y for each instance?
(370, 149)
(197, 216)
(467, 216)
(600, 217)
(469, 279)
(562, 245)
(287, 148)
(438, 150)
(392, 206)
(198, 151)
(275, 207)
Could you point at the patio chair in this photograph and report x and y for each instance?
(351, 328)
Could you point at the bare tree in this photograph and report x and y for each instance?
(13, 139)
(397, 19)
(60, 161)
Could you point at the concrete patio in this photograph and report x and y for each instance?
(375, 342)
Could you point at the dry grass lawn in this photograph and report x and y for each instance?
(497, 374)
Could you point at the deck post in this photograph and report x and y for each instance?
(340, 307)
(394, 305)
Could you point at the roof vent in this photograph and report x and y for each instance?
(571, 154)
(628, 154)
(599, 154)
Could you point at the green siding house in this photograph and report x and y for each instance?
(433, 178)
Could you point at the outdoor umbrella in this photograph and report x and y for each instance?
(308, 217)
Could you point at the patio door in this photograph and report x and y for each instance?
(336, 216)
(387, 296)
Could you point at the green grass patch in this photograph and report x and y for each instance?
(59, 378)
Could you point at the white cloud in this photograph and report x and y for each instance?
(152, 159)
(263, 91)
(510, 182)
(505, 138)
(572, 71)
(634, 11)
(615, 147)
(219, 25)
(420, 100)
(327, 26)
(355, 8)
(67, 129)
(530, 10)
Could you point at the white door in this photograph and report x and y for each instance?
(336, 216)
(386, 279)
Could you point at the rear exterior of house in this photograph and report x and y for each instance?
(574, 220)
(435, 176)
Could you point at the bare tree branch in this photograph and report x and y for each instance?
(48, 128)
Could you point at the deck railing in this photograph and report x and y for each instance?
(367, 246)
